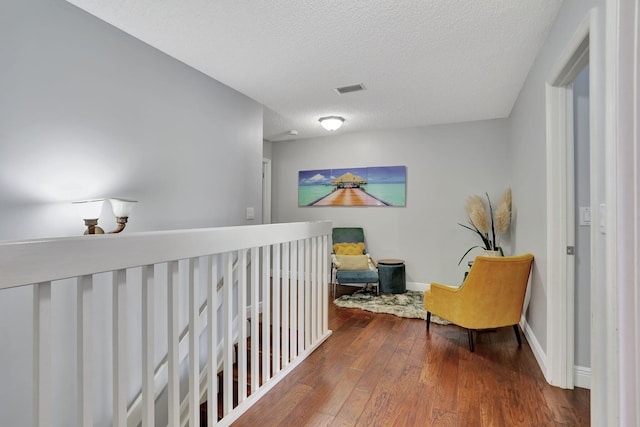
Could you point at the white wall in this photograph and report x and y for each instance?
(445, 165)
(87, 111)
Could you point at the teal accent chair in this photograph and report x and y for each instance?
(360, 278)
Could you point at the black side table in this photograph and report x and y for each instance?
(392, 276)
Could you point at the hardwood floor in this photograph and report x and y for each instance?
(382, 370)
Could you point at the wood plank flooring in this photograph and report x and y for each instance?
(382, 370)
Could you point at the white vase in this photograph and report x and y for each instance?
(492, 253)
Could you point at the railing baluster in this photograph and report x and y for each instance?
(255, 318)
(301, 297)
(42, 354)
(285, 304)
(147, 342)
(194, 342)
(324, 288)
(227, 390)
(266, 309)
(173, 344)
(314, 301)
(119, 331)
(242, 325)
(293, 310)
(212, 344)
(307, 293)
(84, 361)
(319, 288)
(276, 310)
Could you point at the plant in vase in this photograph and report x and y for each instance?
(486, 223)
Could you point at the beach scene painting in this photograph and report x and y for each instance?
(370, 186)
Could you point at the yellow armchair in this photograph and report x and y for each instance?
(491, 296)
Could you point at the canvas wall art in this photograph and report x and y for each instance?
(369, 186)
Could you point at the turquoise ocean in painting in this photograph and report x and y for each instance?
(393, 194)
(310, 193)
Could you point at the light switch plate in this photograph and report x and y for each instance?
(251, 213)
(585, 215)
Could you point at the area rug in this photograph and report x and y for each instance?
(408, 304)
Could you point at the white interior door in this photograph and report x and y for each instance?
(582, 229)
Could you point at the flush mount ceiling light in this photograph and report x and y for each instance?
(331, 123)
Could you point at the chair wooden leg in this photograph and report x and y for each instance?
(470, 333)
(515, 329)
(428, 319)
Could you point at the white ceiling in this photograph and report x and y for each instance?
(422, 61)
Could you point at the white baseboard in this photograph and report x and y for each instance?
(536, 348)
(415, 286)
(582, 377)
(581, 374)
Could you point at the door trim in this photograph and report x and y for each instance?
(266, 191)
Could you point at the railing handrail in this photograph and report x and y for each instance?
(34, 261)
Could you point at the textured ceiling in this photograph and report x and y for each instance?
(422, 61)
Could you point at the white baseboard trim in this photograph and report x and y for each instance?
(412, 286)
(582, 377)
(581, 374)
(415, 286)
(536, 348)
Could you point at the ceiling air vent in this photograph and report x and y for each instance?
(353, 88)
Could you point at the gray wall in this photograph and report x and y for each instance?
(445, 165)
(87, 111)
(528, 161)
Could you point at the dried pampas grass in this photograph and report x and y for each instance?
(486, 222)
(477, 213)
(503, 213)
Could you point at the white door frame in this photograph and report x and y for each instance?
(266, 191)
(623, 218)
(560, 206)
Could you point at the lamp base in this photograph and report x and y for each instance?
(92, 227)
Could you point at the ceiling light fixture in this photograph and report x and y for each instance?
(331, 123)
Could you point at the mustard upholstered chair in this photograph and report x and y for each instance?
(491, 296)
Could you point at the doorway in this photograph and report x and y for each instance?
(561, 209)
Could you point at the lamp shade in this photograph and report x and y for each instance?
(122, 207)
(331, 123)
(89, 209)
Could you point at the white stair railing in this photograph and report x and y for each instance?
(280, 283)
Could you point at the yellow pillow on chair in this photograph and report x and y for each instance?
(352, 262)
(349, 248)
